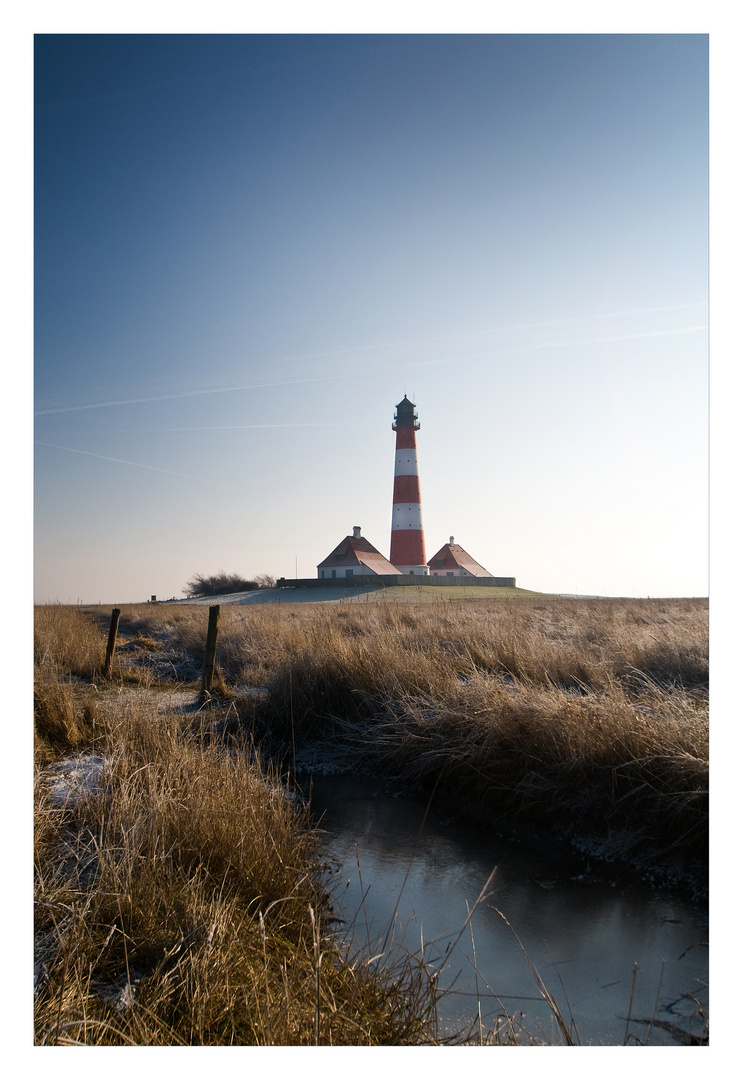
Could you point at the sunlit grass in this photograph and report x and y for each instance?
(181, 903)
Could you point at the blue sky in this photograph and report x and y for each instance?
(249, 247)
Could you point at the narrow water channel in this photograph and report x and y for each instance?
(624, 962)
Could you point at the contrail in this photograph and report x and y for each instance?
(243, 427)
(188, 393)
(138, 464)
(375, 370)
(619, 337)
(556, 345)
(405, 342)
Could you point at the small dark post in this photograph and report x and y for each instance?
(211, 651)
(112, 631)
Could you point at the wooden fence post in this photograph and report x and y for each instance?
(211, 651)
(112, 631)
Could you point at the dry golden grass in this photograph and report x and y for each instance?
(553, 639)
(181, 903)
(67, 640)
(582, 764)
(591, 715)
(602, 681)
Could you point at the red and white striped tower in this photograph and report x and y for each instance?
(407, 549)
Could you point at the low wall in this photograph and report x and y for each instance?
(387, 581)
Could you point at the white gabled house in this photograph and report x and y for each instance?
(355, 557)
(453, 561)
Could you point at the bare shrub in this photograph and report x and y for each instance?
(218, 584)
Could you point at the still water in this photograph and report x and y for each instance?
(413, 878)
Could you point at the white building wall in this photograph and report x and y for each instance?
(342, 572)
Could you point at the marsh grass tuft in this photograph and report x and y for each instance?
(187, 907)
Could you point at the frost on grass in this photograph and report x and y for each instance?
(74, 778)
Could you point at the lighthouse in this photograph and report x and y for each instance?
(407, 548)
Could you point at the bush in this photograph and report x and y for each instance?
(218, 584)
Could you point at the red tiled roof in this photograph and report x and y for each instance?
(378, 564)
(454, 557)
(357, 551)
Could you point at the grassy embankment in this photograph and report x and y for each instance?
(588, 716)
